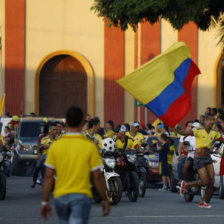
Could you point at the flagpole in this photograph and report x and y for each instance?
(1, 71)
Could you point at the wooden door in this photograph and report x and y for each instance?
(63, 83)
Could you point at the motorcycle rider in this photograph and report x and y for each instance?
(204, 137)
(182, 153)
(7, 155)
(123, 141)
(189, 141)
(43, 149)
(135, 134)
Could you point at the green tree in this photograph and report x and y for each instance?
(122, 13)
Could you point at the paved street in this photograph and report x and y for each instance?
(22, 205)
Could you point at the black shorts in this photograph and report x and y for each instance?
(164, 168)
(200, 162)
(169, 170)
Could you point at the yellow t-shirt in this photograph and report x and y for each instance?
(46, 141)
(120, 145)
(204, 139)
(73, 157)
(93, 138)
(169, 155)
(137, 138)
(110, 134)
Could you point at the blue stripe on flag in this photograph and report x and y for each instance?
(161, 103)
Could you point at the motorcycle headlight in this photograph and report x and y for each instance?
(153, 164)
(109, 162)
(132, 158)
(1, 157)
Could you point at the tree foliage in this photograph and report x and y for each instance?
(122, 13)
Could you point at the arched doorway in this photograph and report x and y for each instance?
(220, 83)
(62, 83)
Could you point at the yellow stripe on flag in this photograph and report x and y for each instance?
(148, 81)
(2, 101)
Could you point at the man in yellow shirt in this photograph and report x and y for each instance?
(123, 142)
(91, 133)
(44, 146)
(133, 133)
(72, 158)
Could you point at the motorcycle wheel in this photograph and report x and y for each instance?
(2, 187)
(221, 188)
(115, 195)
(188, 197)
(202, 192)
(173, 183)
(134, 191)
(142, 184)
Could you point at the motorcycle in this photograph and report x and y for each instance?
(126, 168)
(142, 170)
(112, 179)
(192, 175)
(2, 178)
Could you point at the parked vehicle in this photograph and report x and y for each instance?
(2, 178)
(126, 168)
(25, 147)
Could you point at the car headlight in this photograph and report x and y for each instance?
(132, 158)
(109, 162)
(153, 164)
(1, 157)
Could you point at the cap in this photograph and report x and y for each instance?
(135, 124)
(195, 125)
(15, 118)
(120, 128)
(142, 125)
(161, 125)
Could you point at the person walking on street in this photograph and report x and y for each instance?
(72, 158)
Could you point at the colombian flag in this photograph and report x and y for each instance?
(163, 84)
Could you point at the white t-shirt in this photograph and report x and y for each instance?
(191, 140)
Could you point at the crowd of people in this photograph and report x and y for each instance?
(195, 141)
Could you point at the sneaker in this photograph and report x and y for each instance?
(182, 188)
(163, 189)
(33, 185)
(203, 204)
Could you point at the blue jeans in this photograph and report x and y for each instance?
(73, 208)
(180, 166)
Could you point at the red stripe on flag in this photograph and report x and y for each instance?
(182, 105)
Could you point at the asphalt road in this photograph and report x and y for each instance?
(22, 205)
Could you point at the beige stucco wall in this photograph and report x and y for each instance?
(54, 25)
(208, 54)
(2, 51)
(129, 67)
(168, 35)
